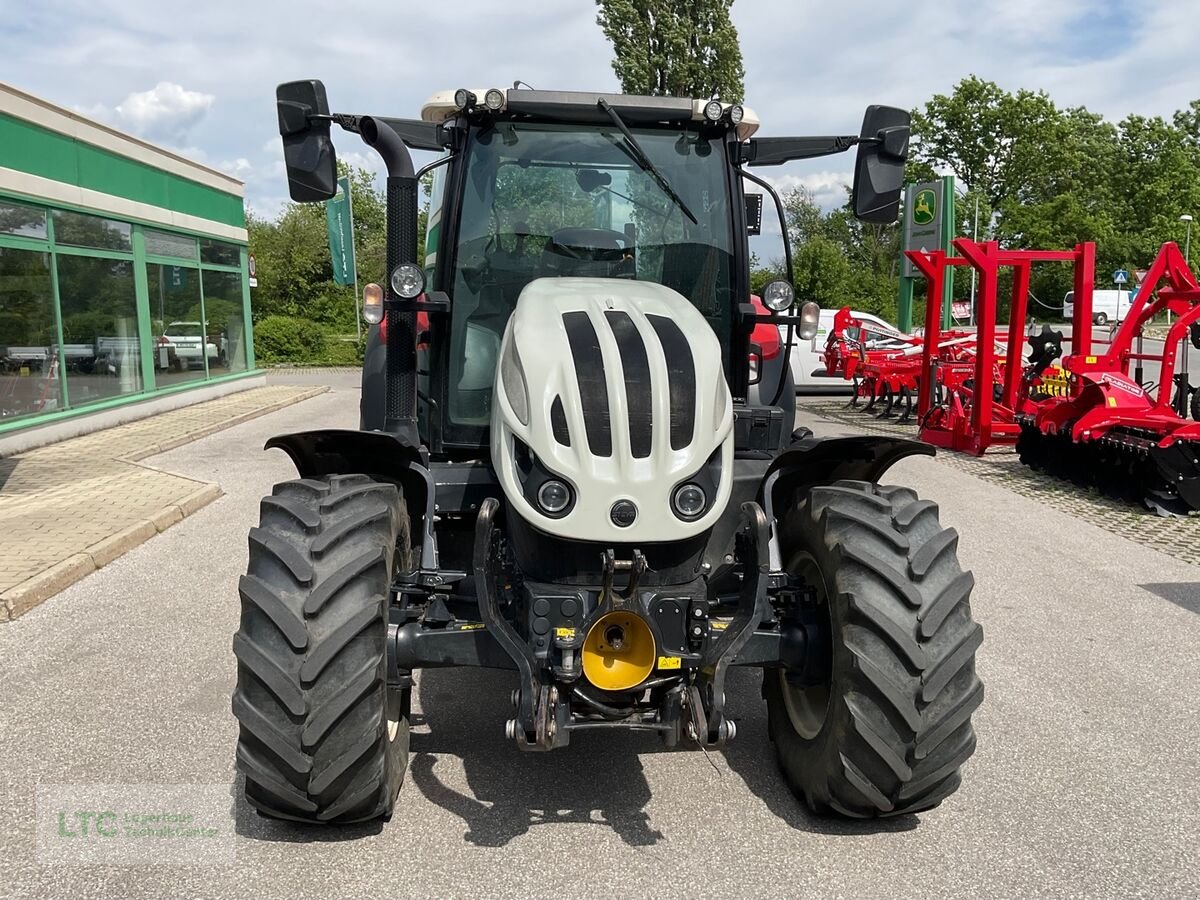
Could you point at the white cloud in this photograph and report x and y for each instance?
(166, 112)
(811, 68)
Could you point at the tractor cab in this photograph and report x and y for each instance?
(531, 196)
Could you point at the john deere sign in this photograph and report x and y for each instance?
(923, 220)
(928, 226)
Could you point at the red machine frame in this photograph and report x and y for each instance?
(974, 426)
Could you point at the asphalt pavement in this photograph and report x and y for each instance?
(1084, 783)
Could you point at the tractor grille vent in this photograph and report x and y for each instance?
(634, 361)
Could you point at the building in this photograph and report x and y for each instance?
(123, 271)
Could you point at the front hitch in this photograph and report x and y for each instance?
(524, 728)
(706, 698)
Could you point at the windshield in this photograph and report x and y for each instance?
(545, 200)
(182, 329)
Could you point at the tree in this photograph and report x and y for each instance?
(678, 48)
(295, 272)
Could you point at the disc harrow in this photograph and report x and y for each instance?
(1111, 431)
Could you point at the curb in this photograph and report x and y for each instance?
(46, 584)
(18, 600)
(208, 430)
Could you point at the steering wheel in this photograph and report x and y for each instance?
(599, 245)
(591, 244)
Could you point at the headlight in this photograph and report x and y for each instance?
(373, 303)
(408, 281)
(464, 99)
(689, 501)
(494, 100)
(554, 497)
(713, 110)
(778, 295)
(513, 379)
(736, 114)
(810, 317)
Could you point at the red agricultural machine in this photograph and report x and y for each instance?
(1117, 432)
(884, 364)
(1095, 421)
(954, 413)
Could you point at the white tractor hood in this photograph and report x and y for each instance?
(624, 399)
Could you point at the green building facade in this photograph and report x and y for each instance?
(123, 268)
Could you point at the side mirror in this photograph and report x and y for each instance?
(307, 148)
(879, 171)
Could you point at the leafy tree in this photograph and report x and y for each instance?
(671, 48)
(295, 272)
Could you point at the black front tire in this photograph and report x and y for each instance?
(323, 737)
(885, 727)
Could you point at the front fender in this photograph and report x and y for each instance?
(332, 451)
(389, 457)
(817, 460)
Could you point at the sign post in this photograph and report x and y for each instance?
(339, 222)
(928, 224)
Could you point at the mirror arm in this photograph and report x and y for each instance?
(774, 151)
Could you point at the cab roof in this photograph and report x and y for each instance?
(581, 106)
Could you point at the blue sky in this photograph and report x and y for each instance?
(199, 77)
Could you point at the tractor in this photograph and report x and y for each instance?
(573, 465)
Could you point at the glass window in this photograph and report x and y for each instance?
(101, 348)
(181, 350)
(220, 254)
(79, 230)
(552, 200)
(29, 369)
(225, 328)
(23, 221)
(163, 243)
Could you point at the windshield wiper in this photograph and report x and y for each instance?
(640, 157)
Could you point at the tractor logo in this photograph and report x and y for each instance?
(925, 207)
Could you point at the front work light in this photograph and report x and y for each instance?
(778, 296)
(407, 281)
(464, 99)
(713, 110)
(554, 497)
(689, 501)
(736, 114)
(373, 303)
(810, 317)
(494, 100)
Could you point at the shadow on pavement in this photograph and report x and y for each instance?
(1183, 593)
(751, 756)
(597, 780)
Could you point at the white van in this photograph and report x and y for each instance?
(808, 369)
(1107, 305)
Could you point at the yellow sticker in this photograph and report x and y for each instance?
(470, 626)
(669, 662)
(718, 626)
(1112, 401)
(1091, 359)
(567, 634)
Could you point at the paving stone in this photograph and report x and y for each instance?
(72, 507)
(1179, 538)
